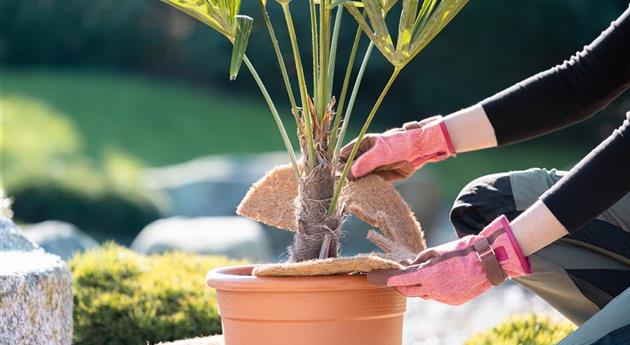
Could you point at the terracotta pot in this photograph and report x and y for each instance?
(329, 310)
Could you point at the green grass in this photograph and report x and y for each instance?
(154, 121)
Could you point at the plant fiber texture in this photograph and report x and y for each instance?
(212, 340)
(339, 265)
(272, 201)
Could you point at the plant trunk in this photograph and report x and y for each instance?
(315, 191)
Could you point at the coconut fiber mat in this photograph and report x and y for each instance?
(213, 340)
(375, 201)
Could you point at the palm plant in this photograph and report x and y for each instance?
(321, 120)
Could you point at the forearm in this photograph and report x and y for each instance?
(591, 187)
(470, 129)
(595, 183)
(536, 228)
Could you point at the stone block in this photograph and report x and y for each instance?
(35, 292)
(236, 237)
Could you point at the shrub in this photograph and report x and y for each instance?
(122, 297)
(524, 330)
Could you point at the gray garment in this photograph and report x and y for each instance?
(609, 326)
(550, 280)
(581, 274)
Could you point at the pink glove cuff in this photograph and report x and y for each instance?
(447, 137)
(506, 248)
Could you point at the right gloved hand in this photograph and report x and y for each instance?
(397, 153)
(457, 271)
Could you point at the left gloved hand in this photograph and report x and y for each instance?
(461, 270)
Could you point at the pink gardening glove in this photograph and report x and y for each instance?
(461, 270)
(397, 153)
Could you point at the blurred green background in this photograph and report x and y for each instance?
(93, 92)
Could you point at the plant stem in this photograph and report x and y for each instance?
(324, 17)
(303, 93)
(346, 168)
(276, 117)
(353, 96)
(333, 51)
(283, 67)
(344, 91)
(349, 68)
(314, 43)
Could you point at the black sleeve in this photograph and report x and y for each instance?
(567, 93)
(594, 184)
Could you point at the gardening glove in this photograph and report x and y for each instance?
(461, 270)
(397, 153)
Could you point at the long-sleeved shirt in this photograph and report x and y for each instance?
(567, 94)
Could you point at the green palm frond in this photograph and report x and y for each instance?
(222, 16)
(217, 14)
(420, 21)
(240, 43)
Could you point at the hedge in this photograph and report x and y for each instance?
(121, 297)
(530, 329)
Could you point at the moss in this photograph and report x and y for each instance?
(122, 297)
(524, 330)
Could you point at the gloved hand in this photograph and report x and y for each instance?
(397, 153)
(461, 270)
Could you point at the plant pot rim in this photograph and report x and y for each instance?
(240, 278)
